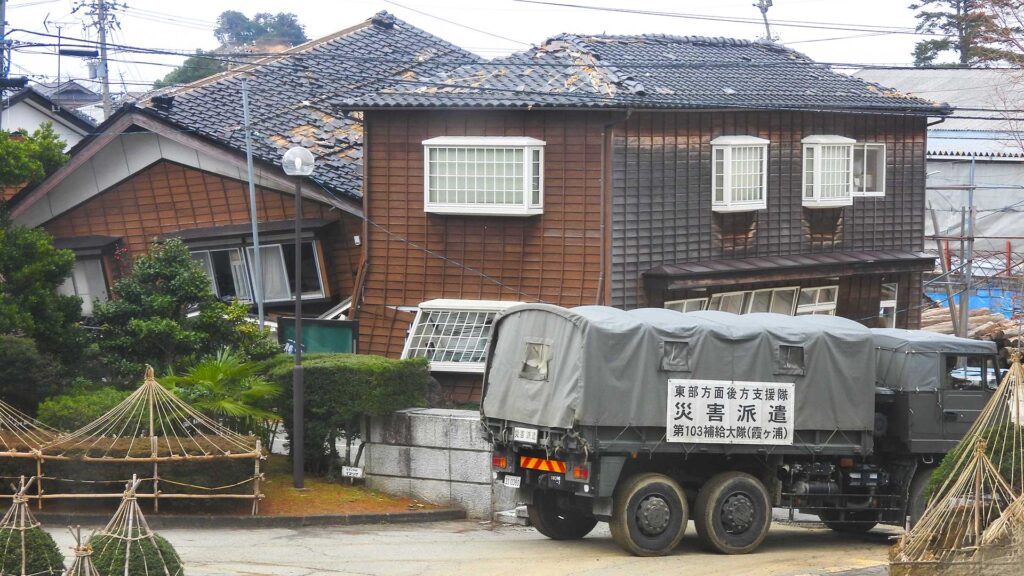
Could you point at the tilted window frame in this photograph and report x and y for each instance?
(533, 172)
(812, 150)
(686, 304)
(488, 308)
(817, 307)
(727, 145)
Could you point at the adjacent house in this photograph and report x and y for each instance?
(686, 172)
(29, 108)
(984, 135)
(174, 165)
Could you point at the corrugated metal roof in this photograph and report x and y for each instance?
(649, 72)
(970, 88)
(978, 143)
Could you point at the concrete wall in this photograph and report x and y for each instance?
(439, 456)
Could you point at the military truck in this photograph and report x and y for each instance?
(648, 418)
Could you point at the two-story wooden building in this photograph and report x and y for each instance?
(685, 172)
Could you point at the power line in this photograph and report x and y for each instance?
(452, 22)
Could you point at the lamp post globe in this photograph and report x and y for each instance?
(298, 162)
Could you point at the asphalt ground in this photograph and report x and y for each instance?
(473, 548)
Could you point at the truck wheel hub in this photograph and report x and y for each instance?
(653, 515)
(737, 513)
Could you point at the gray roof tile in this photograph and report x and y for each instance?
(645, 71)
(289, 96)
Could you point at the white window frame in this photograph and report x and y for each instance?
(487, 307)
(818, 307)
(70, 286)
(795, 290)
(879, 189)
(529, 206)
(889, 304)
(205, 253)
(684, 305)
(280, 245)
(743, 294)
(726, 145)
(814, 145)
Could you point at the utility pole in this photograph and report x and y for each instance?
(763, 6)
(102, 13)
(101, 22)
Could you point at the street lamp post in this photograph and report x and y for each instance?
(298, 162)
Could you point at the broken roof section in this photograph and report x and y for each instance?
(646, 72)
(289, 93)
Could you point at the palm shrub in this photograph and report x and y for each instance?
(41, 553)
(148, 556)
(227, 388)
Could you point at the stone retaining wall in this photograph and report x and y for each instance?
(438, 456)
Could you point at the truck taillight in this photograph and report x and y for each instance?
(580, 473)
(499, 461)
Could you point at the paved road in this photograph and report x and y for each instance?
(472, 548)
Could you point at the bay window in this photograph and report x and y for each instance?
(827, 171)
(739, 173)
(484, 175)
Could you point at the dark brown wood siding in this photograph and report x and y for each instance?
(415, 256)
(661, 178)
(167, 197)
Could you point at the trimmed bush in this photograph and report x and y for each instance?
(26, 375)
(146, 559)
(42, 553)
(341, 390)
(76, 409)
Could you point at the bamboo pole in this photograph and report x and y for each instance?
(256, 483)
(39, 483)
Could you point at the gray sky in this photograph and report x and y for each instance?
(508, 25)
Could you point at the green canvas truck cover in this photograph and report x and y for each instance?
(600, 366)
(907, 359)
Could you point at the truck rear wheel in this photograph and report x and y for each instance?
(916, 502)
(649, 515)
(732, 513)
(557, 521)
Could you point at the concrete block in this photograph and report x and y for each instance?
(470, 466)
(475, 499)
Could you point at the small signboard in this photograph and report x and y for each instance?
(730, 412)
(351, 472)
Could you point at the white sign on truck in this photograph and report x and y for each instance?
(729, 412)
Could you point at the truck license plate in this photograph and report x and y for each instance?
(513, 481)
(525, 435)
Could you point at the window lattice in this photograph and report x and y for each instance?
(462, 175)
(835, 171)
(459, 336)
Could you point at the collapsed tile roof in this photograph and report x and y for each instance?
(646, 72)
(289, 94)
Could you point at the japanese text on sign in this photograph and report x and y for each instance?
(727, 412)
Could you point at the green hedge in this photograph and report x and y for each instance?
(76, 409)
(998, 447)
(146, 559)
(341, 390)
(42, 553)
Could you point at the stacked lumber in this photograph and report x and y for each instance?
(982, 323)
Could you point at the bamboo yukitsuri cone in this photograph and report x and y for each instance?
(974, 522)
(25, 549)
(82, 564)
(153, 429)
(128, 547)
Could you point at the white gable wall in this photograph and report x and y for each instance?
(26, 116)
